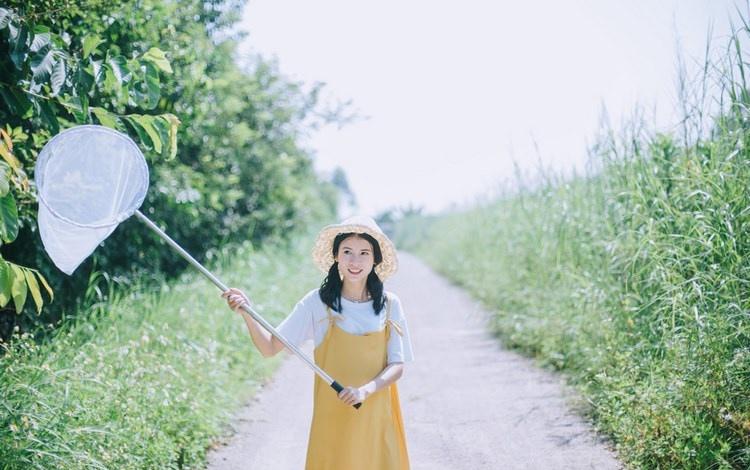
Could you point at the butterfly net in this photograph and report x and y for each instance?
(89, 179)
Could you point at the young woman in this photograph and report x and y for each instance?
(361, 340)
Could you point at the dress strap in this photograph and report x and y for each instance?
(389, 320)
(331, 318)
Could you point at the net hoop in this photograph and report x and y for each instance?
(46, 154)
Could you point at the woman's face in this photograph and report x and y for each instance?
(356, 259)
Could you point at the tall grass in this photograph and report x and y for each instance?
(634, 279)
(146, 380)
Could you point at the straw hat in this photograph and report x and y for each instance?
(323, 250)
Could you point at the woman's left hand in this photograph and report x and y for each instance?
(353, 395)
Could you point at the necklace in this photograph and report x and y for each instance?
(357, 301)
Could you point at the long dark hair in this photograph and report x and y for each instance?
(330, 289)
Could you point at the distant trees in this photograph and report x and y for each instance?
(221, 139)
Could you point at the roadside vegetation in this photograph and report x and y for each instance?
(148, 379)
(632, 279)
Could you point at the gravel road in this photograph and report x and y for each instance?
(466, 402)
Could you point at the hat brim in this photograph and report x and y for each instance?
(323, 249)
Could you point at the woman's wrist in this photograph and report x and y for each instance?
(369, 388)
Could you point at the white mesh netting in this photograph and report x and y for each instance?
(89, 179)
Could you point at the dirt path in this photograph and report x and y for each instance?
(467, 403)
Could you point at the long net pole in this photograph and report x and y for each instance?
(247, 308)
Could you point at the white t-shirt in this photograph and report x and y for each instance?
(309, 321)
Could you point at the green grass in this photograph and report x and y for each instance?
(634, 280)
(638, 292)
(147, 380)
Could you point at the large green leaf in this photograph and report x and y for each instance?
(48, 116)
(5, 283)
(83, 81)
(20, 48)
(18, 287)
(42, 63)
(157, 57)
(41, 38)
(119, 67)
(154, 86)
(45, 285)
(147, 122)
(142, 134)
(96, 70)
(105, 117)
(167, 124)
(33, 286)
(8, 156)
(174, 122)
(113, 74)
(17, 101)
(148, 90)
(8, 218)
(78, 106)
(89, 44)
(4, 178)
(5, 17)
(58, 76)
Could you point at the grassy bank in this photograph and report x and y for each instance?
(146, 380)
(635, 282)
(633, 279)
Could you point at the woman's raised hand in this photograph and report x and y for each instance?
(235, 298)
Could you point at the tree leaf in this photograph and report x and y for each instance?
(111, 82)
(33, 286)
(40, 40)
(142, 134)
(73, 104)
(83, 81)
(18, 287)
(58, 76)
(6, 138)
(45, 285)
(96, 70)
(89, 44)
(18, 103)
(8, 218)
(9, 157)
(77, 106)
(48, 116)
(18, 54)
(105, 117)
(115, 71)
(157, 57)
(5, 283)
(147, 122)
(173, 122)
(5, 17)
(41, 64)
(162, 126)
(120, 68)
(149, 97)
(4, 178)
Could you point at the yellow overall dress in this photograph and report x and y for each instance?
(341, 436)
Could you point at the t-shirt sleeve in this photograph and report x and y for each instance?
(297, 327)
(399, 346)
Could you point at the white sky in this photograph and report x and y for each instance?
(455, 91)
